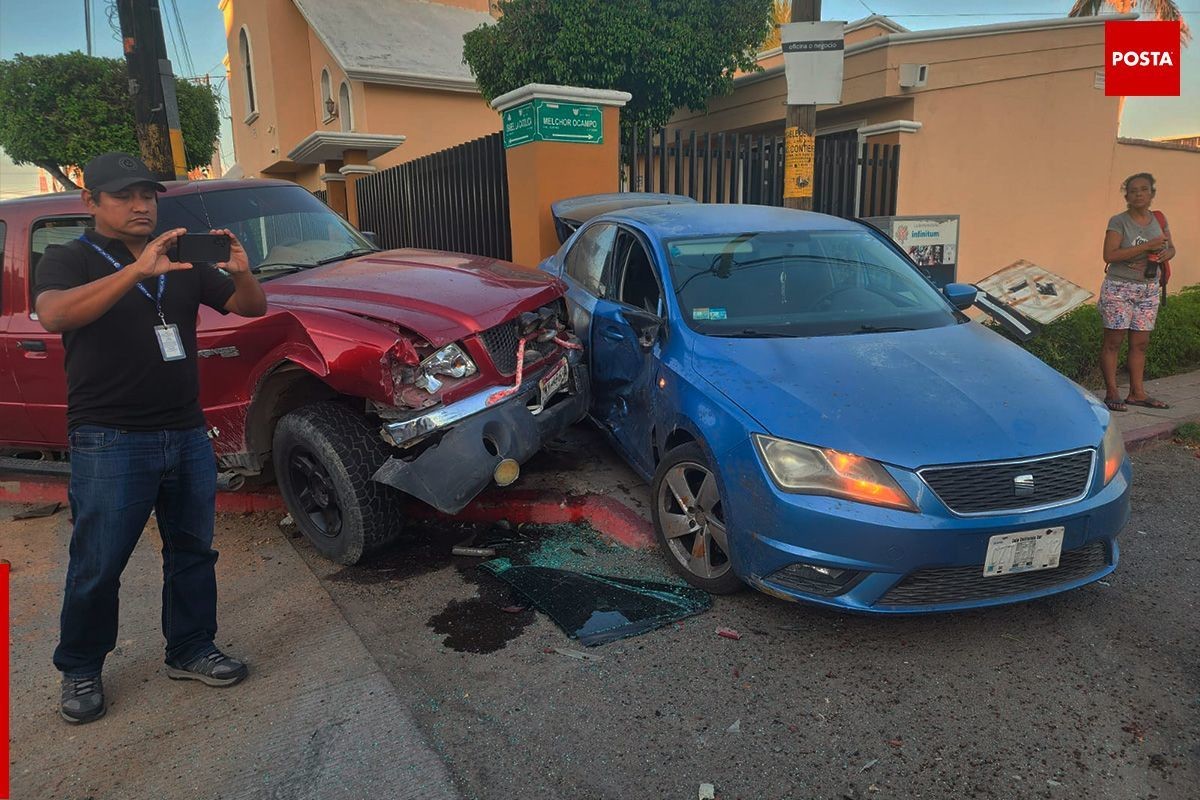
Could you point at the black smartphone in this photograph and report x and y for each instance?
(200, 248)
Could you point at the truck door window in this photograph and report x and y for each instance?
(58, 230)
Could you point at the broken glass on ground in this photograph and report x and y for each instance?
(596, 609)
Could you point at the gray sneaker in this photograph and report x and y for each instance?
(213, 668)
(82, 700)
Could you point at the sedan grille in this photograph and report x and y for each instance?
(501, 343)
(962, 584)
(1012, 485)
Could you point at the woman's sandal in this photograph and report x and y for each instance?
(1115, 404)
(1149, 402)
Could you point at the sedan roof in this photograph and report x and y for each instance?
(712, 219)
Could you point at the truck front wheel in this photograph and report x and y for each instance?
(324, 455)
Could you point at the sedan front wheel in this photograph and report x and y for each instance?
(689, 519)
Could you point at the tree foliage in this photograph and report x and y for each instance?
(61, 110)
(666, 53)
(1165, 10)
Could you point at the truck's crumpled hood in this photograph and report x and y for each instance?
(440, 296)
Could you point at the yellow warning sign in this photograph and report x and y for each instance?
(798, 163)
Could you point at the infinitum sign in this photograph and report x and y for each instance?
(550, 121)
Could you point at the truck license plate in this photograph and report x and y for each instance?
(553, 382)
(1026, 551)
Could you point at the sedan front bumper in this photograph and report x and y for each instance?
(478, 436)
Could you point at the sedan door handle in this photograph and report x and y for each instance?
(612, 334)
(32, 345)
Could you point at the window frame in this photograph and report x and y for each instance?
(246, 52)
(347, 113)
(31, 263)
(618, 288)
(605, 269)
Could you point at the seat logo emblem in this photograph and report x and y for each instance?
(1023, 485)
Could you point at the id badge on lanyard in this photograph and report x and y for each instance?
(169, 343)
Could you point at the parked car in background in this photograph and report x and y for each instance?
(373, 375)
(819, 421)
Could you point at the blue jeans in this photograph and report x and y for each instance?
(117, 477)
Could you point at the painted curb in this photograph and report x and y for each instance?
(609, 516)
(1149, 435)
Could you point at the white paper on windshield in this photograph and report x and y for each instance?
(1026, 551)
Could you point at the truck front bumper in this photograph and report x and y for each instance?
(478, 436)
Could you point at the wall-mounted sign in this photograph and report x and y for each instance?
(930, 241)
(798, 163)
(551, 121)
(813, 59)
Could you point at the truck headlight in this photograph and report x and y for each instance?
(450, 362)
(802, 469)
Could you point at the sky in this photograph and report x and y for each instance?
(23, 29)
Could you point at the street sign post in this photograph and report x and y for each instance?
(551, 121)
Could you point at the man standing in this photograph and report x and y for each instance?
(127, 315)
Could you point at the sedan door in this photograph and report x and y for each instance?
(626, 349)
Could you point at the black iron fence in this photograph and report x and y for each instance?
(850, 180)
(456, 199)
(322, 195)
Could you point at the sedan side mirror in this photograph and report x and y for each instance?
(371, 237)
(961, 295)
(647, 326)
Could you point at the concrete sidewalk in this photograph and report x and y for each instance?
(1142, 426)
(316, 719)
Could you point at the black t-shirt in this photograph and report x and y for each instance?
(116, 375)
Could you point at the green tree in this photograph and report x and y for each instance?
(1165, 10)
(666, 53)
(61, 110)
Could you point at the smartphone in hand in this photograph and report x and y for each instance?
(200, 248)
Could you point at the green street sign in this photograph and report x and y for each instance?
(551, 121)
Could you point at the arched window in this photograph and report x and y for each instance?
(244, 49)
(326, 96)
(344, 110)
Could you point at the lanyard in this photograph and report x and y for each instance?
(117, 265)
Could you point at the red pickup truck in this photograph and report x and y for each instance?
(373, 375)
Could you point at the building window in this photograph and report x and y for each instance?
(344, 110)
(327, 107)
(244, 50)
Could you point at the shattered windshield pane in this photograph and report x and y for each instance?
(596, 609)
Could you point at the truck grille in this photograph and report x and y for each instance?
(991, 488)
(501, 343)
(962, 584)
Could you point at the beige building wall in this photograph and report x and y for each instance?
(432, 120)
(1016, 137)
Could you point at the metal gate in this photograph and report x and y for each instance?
(851, 180)
(456, 199)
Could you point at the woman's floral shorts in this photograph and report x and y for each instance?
(1125, 305)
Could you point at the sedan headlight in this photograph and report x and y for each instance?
(1112, 450)
(802, 469)
(449, 362)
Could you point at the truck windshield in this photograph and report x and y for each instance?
(280, 226)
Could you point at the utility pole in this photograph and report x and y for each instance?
(802, 118)
(87, 23)
(152, 87)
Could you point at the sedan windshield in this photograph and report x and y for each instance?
(283, 228)
(800, 283)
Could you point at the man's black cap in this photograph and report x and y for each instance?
(113, 172)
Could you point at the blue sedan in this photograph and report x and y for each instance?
(819, 421)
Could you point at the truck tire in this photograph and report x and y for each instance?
(324, 455)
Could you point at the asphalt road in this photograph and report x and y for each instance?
(1094, 694)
